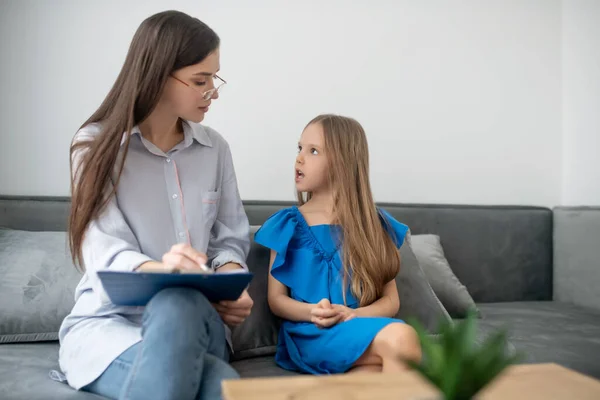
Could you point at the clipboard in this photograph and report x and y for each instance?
(137, 288)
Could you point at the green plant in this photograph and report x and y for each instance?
(455, 364)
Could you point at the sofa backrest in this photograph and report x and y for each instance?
(500, 253)
(576, 262)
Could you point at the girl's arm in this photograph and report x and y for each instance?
(280, 302)
(386, 306)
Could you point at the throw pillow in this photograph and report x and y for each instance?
(451, 292)
(37, 284)
(417, 299)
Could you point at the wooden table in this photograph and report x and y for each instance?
(529, 381)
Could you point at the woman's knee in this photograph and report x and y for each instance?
(179, 300)
(219, 368)
(182, 305)
(400, 340)
(214, 373)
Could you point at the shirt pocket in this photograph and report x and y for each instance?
(210, 206)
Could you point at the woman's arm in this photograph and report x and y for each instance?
(229, 244)
(109, 242)
(280, 302)
(230, 266)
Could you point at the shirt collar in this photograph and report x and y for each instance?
(196, 132)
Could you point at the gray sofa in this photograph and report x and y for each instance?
(533, 270)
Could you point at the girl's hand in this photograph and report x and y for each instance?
(346, 313)
(324, 315)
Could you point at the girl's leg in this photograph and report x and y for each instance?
(393, 344)
(179, 328)
(365, 368)
(368, 362)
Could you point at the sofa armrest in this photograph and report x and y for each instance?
(576, 263)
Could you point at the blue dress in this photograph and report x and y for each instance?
(308, 262)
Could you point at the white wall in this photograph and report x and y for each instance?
(461, 100)
(581, 102)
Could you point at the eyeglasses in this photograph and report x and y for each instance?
(208, 94)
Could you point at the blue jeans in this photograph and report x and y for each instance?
(183, 353)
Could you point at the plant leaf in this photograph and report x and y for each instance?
(454, 363)
(433, 358)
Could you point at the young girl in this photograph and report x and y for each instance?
(334, 261)
(154, 189)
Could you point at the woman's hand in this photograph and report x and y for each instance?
(234, 313)
(185, 257)
(180, 257)
(324, 315)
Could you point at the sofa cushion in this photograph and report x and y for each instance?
(451, 292)
(24, 368)
(37, 283)
(549, 332)
(264, 366)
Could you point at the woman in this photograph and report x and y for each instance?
(153, 189)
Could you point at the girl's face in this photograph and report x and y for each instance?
(311, 163)
(188, 93)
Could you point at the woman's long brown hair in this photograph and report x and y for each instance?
(369, 255)
(163, 43)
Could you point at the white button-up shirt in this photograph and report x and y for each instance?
(188, 195)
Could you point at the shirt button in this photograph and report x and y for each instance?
(181, 234)
(174, 196)
(168, 160)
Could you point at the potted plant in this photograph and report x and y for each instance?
(455, 364)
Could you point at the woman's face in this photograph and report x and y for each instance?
(185, 92)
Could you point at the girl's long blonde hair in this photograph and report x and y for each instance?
(369, 255)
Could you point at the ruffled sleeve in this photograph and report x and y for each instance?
(276, 234)
(397, 230)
